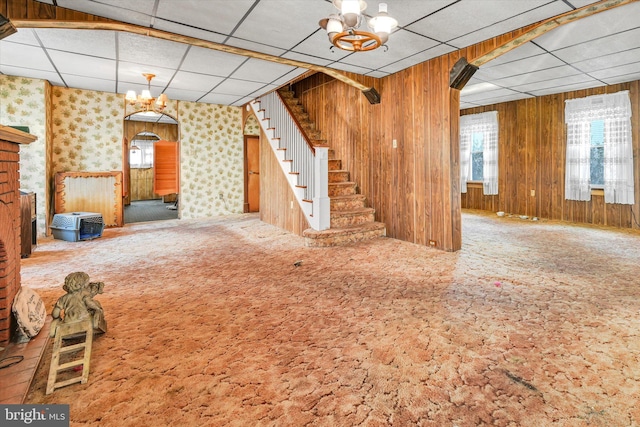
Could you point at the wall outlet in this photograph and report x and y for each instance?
(292, 204)
(533, 193)
(395, 143)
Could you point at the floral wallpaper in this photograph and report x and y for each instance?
(251, 126)
(87, 130)
(212, 160)
(22, 103)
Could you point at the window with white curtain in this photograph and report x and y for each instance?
(479, 151)
(599, 148)
(141, 153)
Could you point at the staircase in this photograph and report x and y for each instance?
(351, 219)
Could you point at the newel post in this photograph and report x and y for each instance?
(321, 202)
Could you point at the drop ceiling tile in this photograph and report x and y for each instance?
(257, 70)
(557, 82)
(349, 68)
(479, 96)
(289, 76)
(23, 56)
(238, 87)
(536, 76)
(262, 91)
(377, 74)
(600, 25)
(134, 12)
(307, 59)
(622, 79)
(539, 13)
(129, 72)
(318, 45)
(222, 99)
(187, 30)
(499, 99)
(89, 83)
(207, 61)
(88, 42)
(408, 11)
(194, 81)
(82, 65)
(23, 36)
(612, 72)
(581, 3)
(271, 22)
(605, 46)
(566, 88)
(526, 50)
(242, 101)
(467, 16)
(150, 51)
(220, 16)
(255, 46)
(607, 61)
(464, 105)
(401, 45)
(539, 62)
(52, 77)
(185, 95)
(434, 52)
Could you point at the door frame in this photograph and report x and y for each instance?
(245, 207)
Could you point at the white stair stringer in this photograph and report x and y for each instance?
(317, 211)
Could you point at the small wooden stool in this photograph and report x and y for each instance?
(81, 330)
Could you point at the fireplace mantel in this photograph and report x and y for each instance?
(10, 134)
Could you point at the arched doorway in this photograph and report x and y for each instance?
(144, 133)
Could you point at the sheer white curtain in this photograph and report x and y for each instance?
(487, 124)
(615, 110)
(465, 154)
(143, 157)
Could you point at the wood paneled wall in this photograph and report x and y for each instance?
(31, 9)
(532, 144)
(278, 204)
(410, 186)
(415, 187)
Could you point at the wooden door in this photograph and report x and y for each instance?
(253, 173)
(166, 178)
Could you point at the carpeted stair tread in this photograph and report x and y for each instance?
(352, 229)
(358, 211)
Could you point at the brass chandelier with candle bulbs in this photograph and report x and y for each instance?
(144, 101)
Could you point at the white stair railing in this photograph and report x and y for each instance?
(305, 166)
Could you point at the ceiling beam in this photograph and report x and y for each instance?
(463, 71)
(548, 25)
(179, 38)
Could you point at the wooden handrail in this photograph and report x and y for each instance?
(300, 128)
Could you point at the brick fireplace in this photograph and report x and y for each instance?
(10, 140)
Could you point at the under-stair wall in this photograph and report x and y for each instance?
(277, 201)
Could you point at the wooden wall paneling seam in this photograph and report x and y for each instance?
(419, 167)
(436, 152)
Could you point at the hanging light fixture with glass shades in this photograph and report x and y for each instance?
(145, 101)
(343, 28)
